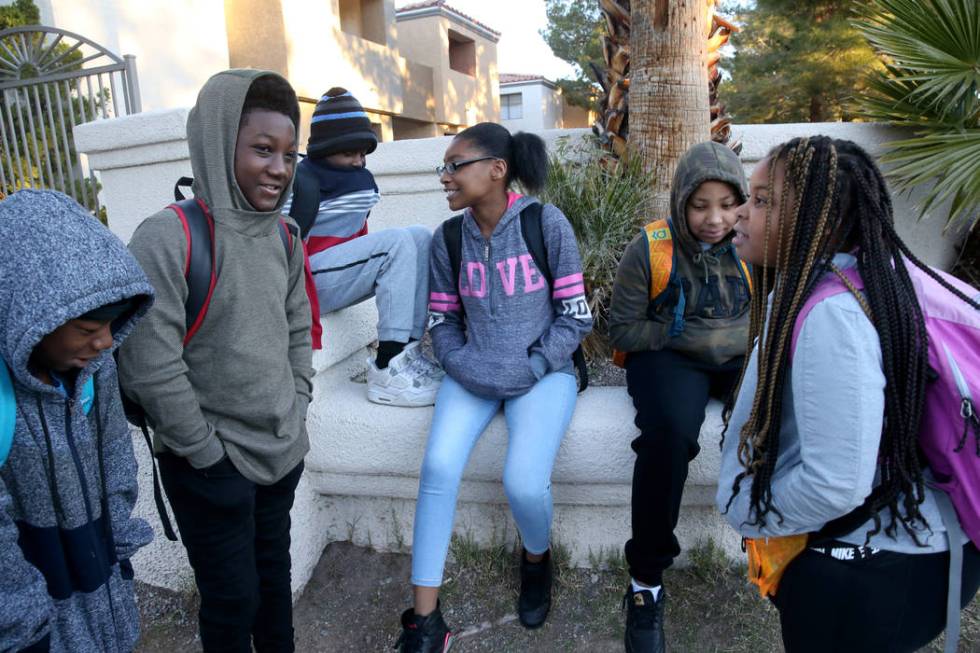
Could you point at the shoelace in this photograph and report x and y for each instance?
(425, 367)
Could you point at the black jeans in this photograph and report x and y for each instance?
(670, 392)
(888, 603)
(236, 533)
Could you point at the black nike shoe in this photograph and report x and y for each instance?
(645, 621)
(428, 634)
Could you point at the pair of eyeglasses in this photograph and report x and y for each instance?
(453, 166)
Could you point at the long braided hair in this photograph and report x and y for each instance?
(834, 198)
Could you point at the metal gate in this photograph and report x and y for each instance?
(50, 81)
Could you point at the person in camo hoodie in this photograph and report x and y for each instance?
(69, 295)
(682, 347)
(512, 350)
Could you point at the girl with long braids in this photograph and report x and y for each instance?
(505, 323)
(820, 461)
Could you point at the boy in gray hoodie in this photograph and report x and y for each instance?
(69, 295)
(228, 406)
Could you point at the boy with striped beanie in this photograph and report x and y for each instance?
(349, 264)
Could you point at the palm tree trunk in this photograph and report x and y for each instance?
(669, 107)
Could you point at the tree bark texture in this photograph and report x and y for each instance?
(669, 107)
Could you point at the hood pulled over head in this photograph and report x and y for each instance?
(59, 263)
(703, 162)
(212, 135)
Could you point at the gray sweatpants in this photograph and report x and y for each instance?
(392, 265)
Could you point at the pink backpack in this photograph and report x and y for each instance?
(949, 434)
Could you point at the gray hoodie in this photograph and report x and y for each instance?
(242, 385)
(68, 488)
(516, 328)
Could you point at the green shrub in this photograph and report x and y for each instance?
(607, 201)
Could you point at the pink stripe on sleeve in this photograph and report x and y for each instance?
(442, 307)
(441, 296)
(569, 280)
(570, 291)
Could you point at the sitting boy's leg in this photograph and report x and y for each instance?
(273, 629)
(423, 240)
(214, 508)
(383, 264)
(669, 392)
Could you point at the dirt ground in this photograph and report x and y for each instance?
(356, 595)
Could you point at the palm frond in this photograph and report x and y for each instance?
(951, 161)
(932, 45)
(931, 84)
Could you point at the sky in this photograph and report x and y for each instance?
(521, 48)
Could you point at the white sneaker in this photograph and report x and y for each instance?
(405, 382)
(425, 364)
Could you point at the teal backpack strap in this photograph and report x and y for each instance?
(88, 395)
(8, 413)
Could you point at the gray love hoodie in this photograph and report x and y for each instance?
(516, 329)
(68, 488)
(242, 384)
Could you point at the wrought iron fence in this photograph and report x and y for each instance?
(50, 81)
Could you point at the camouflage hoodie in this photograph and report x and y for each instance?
(715, 292)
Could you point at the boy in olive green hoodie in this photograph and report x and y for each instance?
(682, 346)
(228, 407)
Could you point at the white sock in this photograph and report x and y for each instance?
(639, 587)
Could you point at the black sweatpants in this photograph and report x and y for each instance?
(236, 533)
(670, 392)
(887, 603)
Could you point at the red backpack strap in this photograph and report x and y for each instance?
(287, 232)
(199, 266)
(828, 286)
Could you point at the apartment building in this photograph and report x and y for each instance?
(533, 103)
(423, 70)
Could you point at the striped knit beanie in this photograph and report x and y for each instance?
(339, 125)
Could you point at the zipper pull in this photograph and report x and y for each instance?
(486, 252)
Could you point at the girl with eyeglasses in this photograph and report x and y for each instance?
(504, 331)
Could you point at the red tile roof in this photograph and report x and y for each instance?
(510, 78)
(442, 3)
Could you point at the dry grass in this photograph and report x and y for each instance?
(355, 597)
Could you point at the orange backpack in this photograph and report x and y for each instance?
(660, 240)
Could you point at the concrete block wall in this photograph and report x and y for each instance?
(362, 471)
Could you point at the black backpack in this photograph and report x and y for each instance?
(532, 231)
(200, 271)
(306, 200)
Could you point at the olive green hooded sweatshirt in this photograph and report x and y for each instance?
(242, 385)
(716, 293)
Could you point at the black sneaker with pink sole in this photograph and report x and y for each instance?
(428, 634)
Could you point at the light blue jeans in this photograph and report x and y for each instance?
(536, 424)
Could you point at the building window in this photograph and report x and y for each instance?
(511, 106)
(462, 54)
(364, 18)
